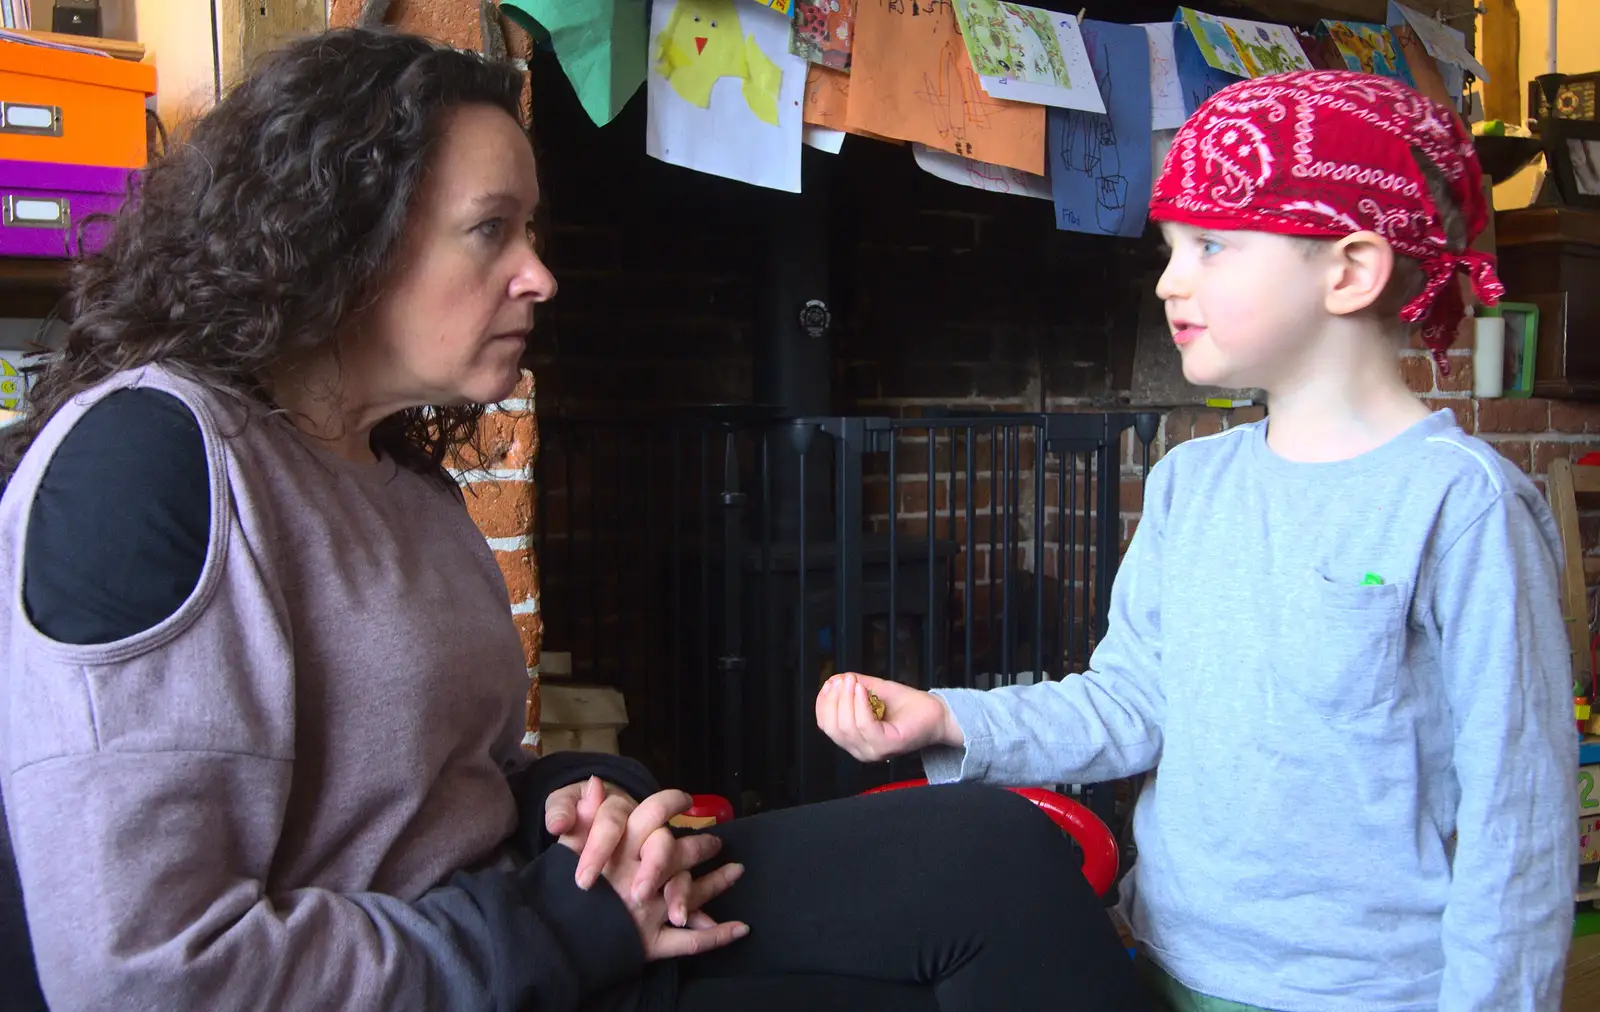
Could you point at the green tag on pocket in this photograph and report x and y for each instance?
(1372, 580)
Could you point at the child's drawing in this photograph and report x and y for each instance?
(1370, 49)
(1245, 48)
(823, 31)
(1166, 91)
(1025, 54)
(980, 175)
(1010, 40)
(912, 79)
(1100, 167)
(725, 94)
(784, 7)
(702, 44)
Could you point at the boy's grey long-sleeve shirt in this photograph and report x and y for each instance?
(1365, 793)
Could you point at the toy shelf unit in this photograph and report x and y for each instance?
(1589, 821)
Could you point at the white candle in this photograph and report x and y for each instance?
(1555, 22)
(1488, 356)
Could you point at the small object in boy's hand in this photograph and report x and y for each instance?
(878, 706)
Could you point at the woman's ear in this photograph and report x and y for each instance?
(1363, 265)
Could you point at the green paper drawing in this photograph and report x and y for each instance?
(1245, 48)
(1010, 40)
(600, 43)
(703, 43)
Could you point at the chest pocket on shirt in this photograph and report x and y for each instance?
(1354, 639)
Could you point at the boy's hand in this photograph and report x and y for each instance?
(913, 720)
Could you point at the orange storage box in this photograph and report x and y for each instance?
(72, 108)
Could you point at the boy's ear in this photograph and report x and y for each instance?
(1362, 267)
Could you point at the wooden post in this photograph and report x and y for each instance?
(1502, 42)
(246, 29)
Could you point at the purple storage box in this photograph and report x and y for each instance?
(43, 207)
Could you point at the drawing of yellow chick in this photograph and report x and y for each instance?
(703, 43)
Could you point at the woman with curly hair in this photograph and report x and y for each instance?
(261, 701)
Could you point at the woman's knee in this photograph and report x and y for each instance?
(981, 824)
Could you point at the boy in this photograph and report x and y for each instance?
(1336, 631)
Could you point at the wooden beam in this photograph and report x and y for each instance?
(1502, 42)
(249, 28)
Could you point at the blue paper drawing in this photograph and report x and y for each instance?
(1099, 165)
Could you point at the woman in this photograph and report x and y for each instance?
(260, 718)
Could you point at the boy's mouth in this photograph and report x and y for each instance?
(1184, 332)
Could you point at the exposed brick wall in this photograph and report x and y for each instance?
(497, 481)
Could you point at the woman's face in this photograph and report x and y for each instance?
(454, 319)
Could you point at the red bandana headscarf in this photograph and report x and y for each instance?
(1325, 154)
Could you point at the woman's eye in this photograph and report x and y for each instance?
(490, 228)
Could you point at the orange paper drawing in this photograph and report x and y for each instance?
(828, 102)
(911, 78)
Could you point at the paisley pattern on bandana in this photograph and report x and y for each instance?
(1324, 154)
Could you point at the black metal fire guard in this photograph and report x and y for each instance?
(718, 565)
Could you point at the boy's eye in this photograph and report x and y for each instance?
(1209, 246)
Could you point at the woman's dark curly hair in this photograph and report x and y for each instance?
(277, 217)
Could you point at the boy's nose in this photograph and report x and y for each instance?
(1173, 284)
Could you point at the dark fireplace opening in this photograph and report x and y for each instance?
(681, 566)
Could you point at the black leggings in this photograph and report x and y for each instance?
(932, 899)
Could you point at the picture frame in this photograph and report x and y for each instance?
(1572, 149)
(1522, 345)
(1575, 99)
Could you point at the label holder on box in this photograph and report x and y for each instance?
(32, 119)
(36, 212)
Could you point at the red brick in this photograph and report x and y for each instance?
(1460, 379)
(1545, 451)
(1207, 423)
(509, 440)
(1132, 495)
(1566, 416)
(530, 629)
(1180, 426)
(1515, 450)
(1509, 414)
(501, 509)
(1417, 371)
(521, 573)
(1246, 415)
(1465, 410)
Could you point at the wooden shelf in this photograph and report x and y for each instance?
(31, 288)
(120, 48)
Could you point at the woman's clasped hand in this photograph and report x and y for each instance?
(631, 845)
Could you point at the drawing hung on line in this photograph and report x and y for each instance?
(724, 91)
(824, 31)
(1245, 48)
(1100, 169)
(912, 79)
(1025, 54)
(1166, 91)
(1370, 49)
(980, 175)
